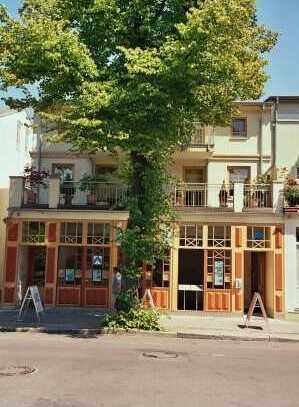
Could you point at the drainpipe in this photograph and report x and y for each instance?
(260, 142)
(274, 134)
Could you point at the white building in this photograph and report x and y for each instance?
(16, 142)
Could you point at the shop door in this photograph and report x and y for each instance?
(37, 267)
(255, 263)
(191, 279)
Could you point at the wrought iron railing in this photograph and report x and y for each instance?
(35, 195)
(195, 195)
(98, 195)
(258, 196)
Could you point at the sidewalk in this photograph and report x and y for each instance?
(183, 325)
(231, 327)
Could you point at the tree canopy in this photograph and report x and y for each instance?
(132, 73)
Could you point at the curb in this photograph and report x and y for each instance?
(85, 332)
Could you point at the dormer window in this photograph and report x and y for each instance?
(239, 128)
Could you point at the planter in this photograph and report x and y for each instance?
(92, 199)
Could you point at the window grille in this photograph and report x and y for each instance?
(33, 232)
(71, 233)
(259, 237)
(191, 236)
(219, 269)
(98, 233)
(219, 236)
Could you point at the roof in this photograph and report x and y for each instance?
(283, 99)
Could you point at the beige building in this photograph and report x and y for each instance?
(227, 243)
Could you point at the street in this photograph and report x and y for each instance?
(146, 371)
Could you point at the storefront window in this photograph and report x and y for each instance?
(161, 272)
(219, 269)
(98, 266)
(70, 266)
(259, 237)
(33, 232)
(98, 233)
(71, 233)
(191, 235)
(219, 236)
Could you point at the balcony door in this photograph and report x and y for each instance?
(195, 175)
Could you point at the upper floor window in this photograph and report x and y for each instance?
(259, 237)
(191, 235)
(64, 171)
(239, 127)
(98, 233)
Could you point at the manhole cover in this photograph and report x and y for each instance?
(159, 354)
(16, 370)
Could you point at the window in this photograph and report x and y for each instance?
(98, 266)
(239, 128)
(238, 174)
(71, 233)
(259, 237)
(64, 171)
(70, 266)
(219, 236)
(219, 269)
(161, 271)
(33, 232)
(191, 235)
(98, 233)
(297, 235)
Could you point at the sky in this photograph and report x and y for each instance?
(280, 16)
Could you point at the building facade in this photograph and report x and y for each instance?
(228, 241)
(17, 140)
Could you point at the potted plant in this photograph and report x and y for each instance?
(291, 192)
(89, 184)
(33, 180)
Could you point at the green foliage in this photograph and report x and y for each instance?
(135, 318)
(128, 75)
(126, 301)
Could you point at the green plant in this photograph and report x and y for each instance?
(134, 318)
(291, 194)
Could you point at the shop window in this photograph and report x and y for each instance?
(161, 271)
(219, 269)
(98, 266)
(98, 233)
(259, 237)
(71, 233)
(191, 235)
(33, 232)
(70, 266)
(219, 236)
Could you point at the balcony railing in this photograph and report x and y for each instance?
(114, 196)
(258, 196)
(97, 195)
(193, 195)
(201, 136)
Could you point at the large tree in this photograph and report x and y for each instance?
(133, 75)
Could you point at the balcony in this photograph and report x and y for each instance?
(194, 197)
(201, 142)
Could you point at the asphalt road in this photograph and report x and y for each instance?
(113, 371)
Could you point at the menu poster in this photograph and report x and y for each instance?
(97, 260)
(69, 275)
(218, 273)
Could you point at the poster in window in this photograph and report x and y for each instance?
(97, 275)
(218, 273)
(69, 275)
(258, 235)
(97, 260)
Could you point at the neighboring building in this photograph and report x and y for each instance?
(16, 141)
(286, 123)
(228, 240)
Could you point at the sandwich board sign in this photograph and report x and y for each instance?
(32, 294)
(256, 299)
